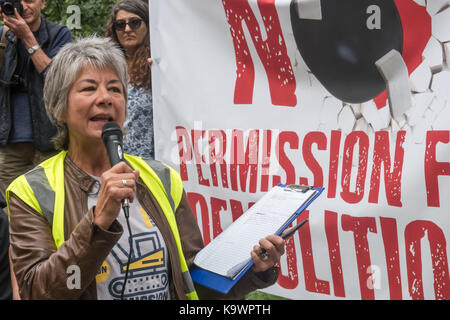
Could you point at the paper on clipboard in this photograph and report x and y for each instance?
(229, 253)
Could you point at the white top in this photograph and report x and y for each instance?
(148, 275)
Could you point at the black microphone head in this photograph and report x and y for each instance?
(109, 129)
(112, 138)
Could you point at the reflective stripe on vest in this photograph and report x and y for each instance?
(45, 196)
(41, 185)
(43, 190)
(165, 184)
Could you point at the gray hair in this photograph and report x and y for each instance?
(65, 68)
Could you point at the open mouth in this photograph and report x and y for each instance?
(102, 118)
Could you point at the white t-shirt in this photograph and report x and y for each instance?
(148, 273)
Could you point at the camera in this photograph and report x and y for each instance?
(8, 6)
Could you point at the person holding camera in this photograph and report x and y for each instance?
(25, 130)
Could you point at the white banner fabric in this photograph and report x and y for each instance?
(349, 95)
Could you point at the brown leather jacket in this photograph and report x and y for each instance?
(42, 270)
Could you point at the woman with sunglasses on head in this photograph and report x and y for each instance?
(128, 25)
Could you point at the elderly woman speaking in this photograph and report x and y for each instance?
(67, 239)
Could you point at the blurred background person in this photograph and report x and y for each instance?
(128, 25)
(25, 130)
(5, 276)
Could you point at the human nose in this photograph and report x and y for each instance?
(103, 96)
(127, 27)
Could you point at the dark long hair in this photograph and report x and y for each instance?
(139, 68)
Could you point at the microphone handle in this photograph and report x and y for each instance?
(126, 207)
(115, 158)
(112, 138)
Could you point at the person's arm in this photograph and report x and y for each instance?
(41, 269)
(39, 58)
(21, 30)
(15, 287)
(44, 271)
(192, 243)
(5, 278)
(62, 37)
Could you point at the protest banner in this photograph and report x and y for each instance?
(349, 95)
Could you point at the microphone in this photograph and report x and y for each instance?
(112, 138)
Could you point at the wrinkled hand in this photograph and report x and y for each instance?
(17, 25)
(274, 246)
(113, 191)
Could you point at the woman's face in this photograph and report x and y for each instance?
(130, 38)
(96, 97)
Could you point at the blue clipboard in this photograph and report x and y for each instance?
(223, 284)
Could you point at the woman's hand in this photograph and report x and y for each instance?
(118, 183)
(274, 247)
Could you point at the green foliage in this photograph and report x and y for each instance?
(82, 17)
(90, 18)
(259, 295)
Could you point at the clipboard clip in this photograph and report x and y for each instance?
(297, 188)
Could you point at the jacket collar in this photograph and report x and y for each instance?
(42, 34)
(86, 181)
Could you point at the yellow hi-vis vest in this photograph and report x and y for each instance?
(42, 189)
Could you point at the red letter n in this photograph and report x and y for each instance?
(392, 178)
(272, 52)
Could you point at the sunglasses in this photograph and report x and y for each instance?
(133, 23)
